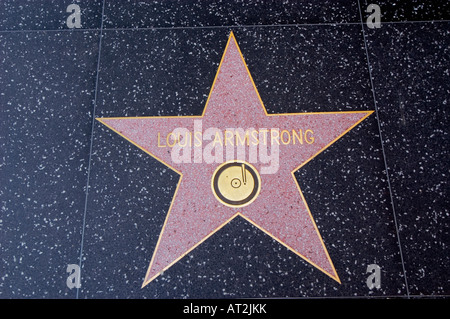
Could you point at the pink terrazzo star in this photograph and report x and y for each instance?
(280, 210)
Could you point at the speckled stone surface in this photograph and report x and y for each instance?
(160, 59)
(211, 13)
(413, 108)
(47, 92)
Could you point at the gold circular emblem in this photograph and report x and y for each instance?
(236, 183)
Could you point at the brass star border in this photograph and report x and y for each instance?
(126, 127)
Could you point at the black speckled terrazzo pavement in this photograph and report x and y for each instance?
(75, 193)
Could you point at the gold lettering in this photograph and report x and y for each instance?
(283, 132)
(285, 136)
(299, 136)
(255, 137)
(199, 139)
(242, 141)
(173, 138)
(159, 140)
(311, 140)
(185, 140)
(264, 131)
(229, 137)
(217, 139)
(275, 136)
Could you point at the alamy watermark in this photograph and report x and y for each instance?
(374, 20)
(74, 278)
(374, 279)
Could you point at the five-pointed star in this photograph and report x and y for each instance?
(279, 210)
